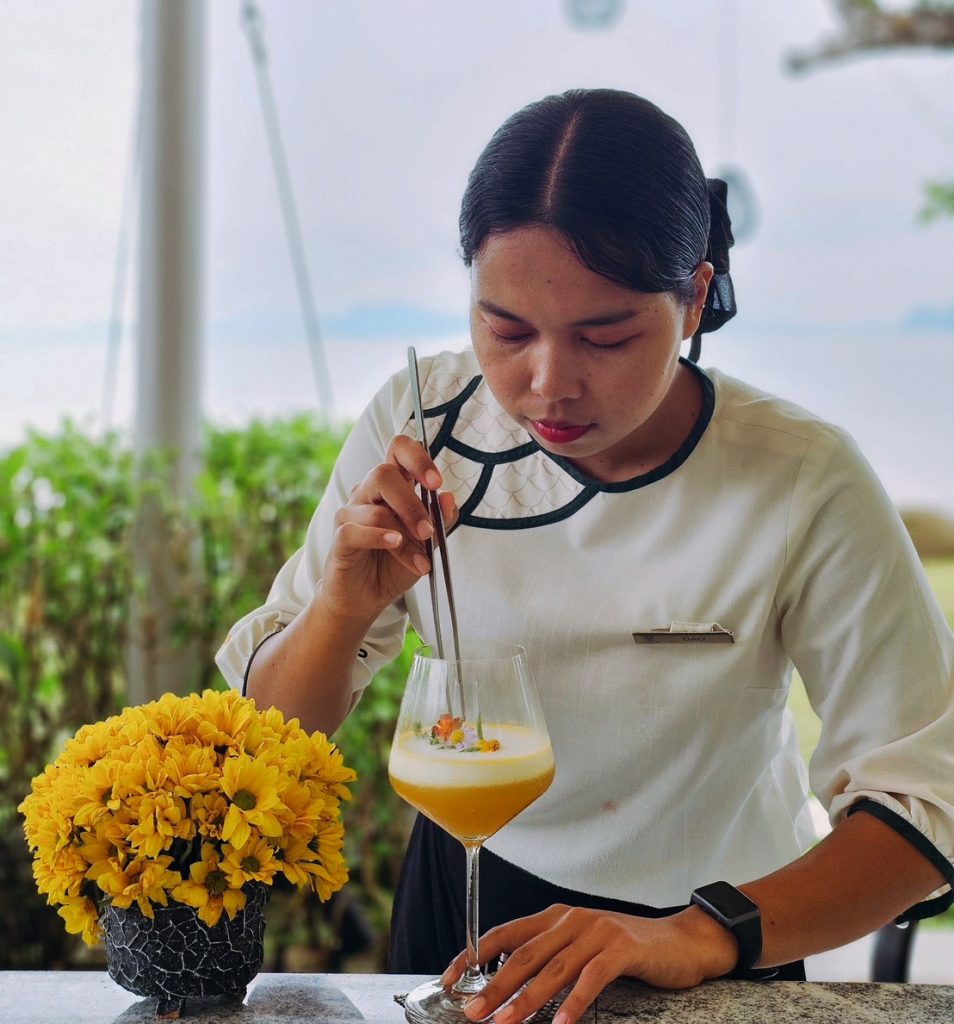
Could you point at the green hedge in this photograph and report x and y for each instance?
(66, 582)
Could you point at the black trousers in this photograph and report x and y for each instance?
(428, 925)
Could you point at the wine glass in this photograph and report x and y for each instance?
(470, 752)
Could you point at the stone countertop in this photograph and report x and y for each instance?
(47, 997)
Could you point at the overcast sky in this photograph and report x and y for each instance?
(385, 105)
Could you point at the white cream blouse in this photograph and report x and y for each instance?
(677, 763)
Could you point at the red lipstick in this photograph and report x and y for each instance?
(560, 433)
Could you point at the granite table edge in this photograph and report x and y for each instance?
(91, 997)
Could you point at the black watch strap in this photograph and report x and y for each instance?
(735, 911)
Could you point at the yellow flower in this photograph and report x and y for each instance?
(208, 889)
(48, 824)
(208, 812)
(225, 720)
(189, 768)
(162, 818)
(294, 753)
(252, 788)
(142, 882)
(253, 862)
(104, 786)
(60, 873)
(79, 913)
(109, 869)
(303, 803)
(332, 870)
(90, 743)
(105, 849)
(149, 756)
(172, 716)
(299, 862)
(326, 765)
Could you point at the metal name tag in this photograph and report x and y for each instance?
(713, 634)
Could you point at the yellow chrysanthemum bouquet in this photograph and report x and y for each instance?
(187, 799)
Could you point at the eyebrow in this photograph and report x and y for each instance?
(597, 321)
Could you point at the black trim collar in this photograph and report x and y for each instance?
(590, 487)
(670, 465)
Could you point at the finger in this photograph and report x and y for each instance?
(541, 962)
(356, 539)
(501, 939)
(368, 514)
(385, 485)
(532, 975)
(410, 456)
(382, 517)
(594, 977)
(449, 510)
(454, 969)
(506, 938)
(591, 971)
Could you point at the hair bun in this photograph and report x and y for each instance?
(720, 226)
(720, 302)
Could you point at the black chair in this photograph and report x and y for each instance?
(892, 952)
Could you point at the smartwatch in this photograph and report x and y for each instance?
(735, 911)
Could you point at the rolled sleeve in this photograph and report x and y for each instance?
(234, 657)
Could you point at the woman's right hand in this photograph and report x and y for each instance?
(380, 541)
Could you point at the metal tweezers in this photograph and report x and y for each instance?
(433, 507)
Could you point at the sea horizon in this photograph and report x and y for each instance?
(889, 388)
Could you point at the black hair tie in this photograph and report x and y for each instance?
(720, 301)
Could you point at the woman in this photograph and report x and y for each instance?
(601, 487)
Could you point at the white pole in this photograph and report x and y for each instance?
(168, 415)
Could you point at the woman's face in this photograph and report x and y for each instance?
(589, 367)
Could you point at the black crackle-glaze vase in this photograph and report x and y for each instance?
(175, 956)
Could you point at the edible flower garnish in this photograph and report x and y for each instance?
(450, 733)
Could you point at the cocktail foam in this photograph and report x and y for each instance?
(524, 753)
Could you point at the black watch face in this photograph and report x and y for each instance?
(727, 900)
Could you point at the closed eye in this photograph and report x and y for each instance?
(605, 345)
(511, 338)
(520, 336)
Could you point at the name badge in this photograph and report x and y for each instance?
(686, 633)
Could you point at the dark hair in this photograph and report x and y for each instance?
(619, 179)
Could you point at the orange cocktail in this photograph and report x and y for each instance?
(472, 793)
(470, 752)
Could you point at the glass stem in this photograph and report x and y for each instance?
(472, 980)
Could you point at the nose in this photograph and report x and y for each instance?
(555, 377)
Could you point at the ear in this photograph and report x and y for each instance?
(701, 281)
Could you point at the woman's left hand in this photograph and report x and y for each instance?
(588, 949)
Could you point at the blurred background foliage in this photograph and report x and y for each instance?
(66, 582)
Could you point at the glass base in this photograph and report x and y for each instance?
(431, 1003)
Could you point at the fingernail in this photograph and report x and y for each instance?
(421, 564)
(561, 1017)
(425, 528)
(478, 1006)
(432, 478)
(392, 538)
(505, 1016)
